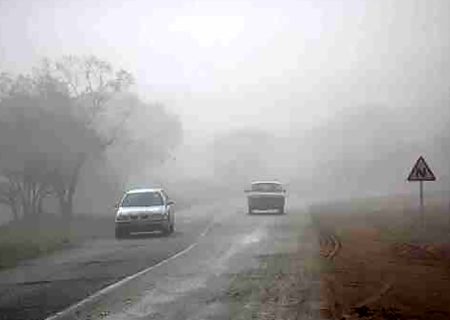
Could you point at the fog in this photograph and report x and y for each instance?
(333, 98)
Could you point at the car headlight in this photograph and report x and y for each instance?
(165, 214)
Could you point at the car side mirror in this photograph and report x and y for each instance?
(116, 206)
(170, 202)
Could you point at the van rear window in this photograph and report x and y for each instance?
(267, 187)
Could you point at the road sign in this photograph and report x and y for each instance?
(421, 172)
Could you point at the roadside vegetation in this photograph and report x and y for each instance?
(248, 290)
(22, 241)
(27, 239)
(64, 128)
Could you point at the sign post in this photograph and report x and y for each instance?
(421, 203)
(421, 172)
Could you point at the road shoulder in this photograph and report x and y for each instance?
(285, 284)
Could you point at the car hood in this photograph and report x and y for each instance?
(131, 210)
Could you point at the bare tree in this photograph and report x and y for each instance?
(69, 112)
(24, 193)
(42, 141)
(9, 195)
(90, 83)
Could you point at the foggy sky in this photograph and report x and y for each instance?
(226, 64)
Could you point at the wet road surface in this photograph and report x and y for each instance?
(211, 244)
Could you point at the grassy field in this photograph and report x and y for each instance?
(27, 240)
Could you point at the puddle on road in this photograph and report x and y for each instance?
(166, 293)
(253, 237)
(221, 265)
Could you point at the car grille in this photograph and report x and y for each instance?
(144, 216)
(156, 216)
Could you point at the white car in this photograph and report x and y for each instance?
(142, 210)
(266, 195)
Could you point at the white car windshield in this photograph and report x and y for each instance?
(142, 199)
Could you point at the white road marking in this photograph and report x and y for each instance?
(120, 283)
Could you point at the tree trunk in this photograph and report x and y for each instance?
(66, 205)
(69, 203)
(34, 200)
(25, 207)
(39, 206)
(66, 197)
(15, 212)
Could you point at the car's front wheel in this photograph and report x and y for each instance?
(167, 230)
(121, 233)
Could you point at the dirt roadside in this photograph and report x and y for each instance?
(387, 266)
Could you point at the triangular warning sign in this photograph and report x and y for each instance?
(421, 172)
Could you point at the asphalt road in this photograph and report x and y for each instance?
(184, 276)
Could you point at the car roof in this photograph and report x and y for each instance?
(145, 190)
(272, 182)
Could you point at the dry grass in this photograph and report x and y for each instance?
(397, 218)
(390, 266)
